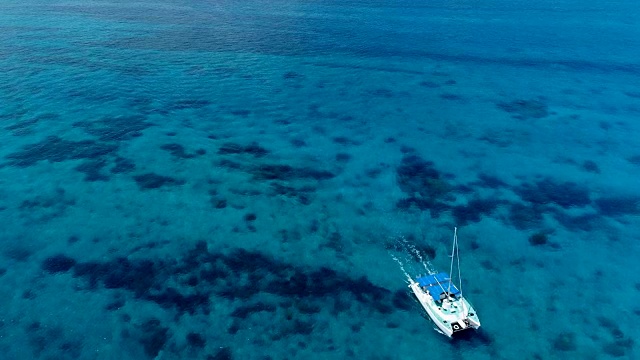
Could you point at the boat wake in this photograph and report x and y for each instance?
(411, 260)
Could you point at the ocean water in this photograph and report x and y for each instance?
(253, 179)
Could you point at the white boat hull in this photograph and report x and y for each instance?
(450, 316)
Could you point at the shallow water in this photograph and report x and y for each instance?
(248, 180)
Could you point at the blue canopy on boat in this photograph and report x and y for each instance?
(438, 284)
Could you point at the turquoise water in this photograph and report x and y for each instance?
(252, 179)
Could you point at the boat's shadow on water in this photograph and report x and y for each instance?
(471, 338)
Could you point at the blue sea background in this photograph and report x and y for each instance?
(253, 179)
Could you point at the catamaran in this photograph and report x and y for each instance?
(443, 301)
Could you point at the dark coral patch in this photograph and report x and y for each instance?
(116, 128)
(343, 140)
(251, 149)
(298, 143)
(610, 325)
(145, 279)
(409, 150)
(303, 194)
(178, 151)
(222, 354)
(218, 201)
(18, 252)
(584, 222)
(565, 341)
(23, 127)
(618, 347)
(241, 113)
(48, 206)
(402, 300)
(123, 166)
(427, 189)
(451, 97)
(274, 172)
(343, 157)
(381, 92)
(136, 276)
(490, 181)
(188, 283)
(525, 109)
(635, 160)
(429, 84)
(154, 181)
(244, 311)
(435, 207)
(548, 192)
(419, 177)
(188, 104)
(474, 210)
(250, 273)
(196, 340)
(231, 148)
(93, 170)
(618, 205)
(49, 341)
(172, 298)
(255, 150)
(282, 279)
(292, 75)
(58, 264)
(591, 166)
(115, 305)
(287, 172)
(538, 239)
(374, 172)
(525, 217)
(230, 164)
(152, 336)
(55, 149)
(307, 307)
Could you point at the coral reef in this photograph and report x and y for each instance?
(153, 181)
(538, 239)
(525, 109)
(55, 149)
(550, 192)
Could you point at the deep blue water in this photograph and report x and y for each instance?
(253, 179)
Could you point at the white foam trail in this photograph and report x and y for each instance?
(406, 274)
(405, 255)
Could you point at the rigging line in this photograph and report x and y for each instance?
(455, 241)
(453, 252)
(458, 256)
(455, 244)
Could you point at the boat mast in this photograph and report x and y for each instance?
(458, 257)
(453, 253)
